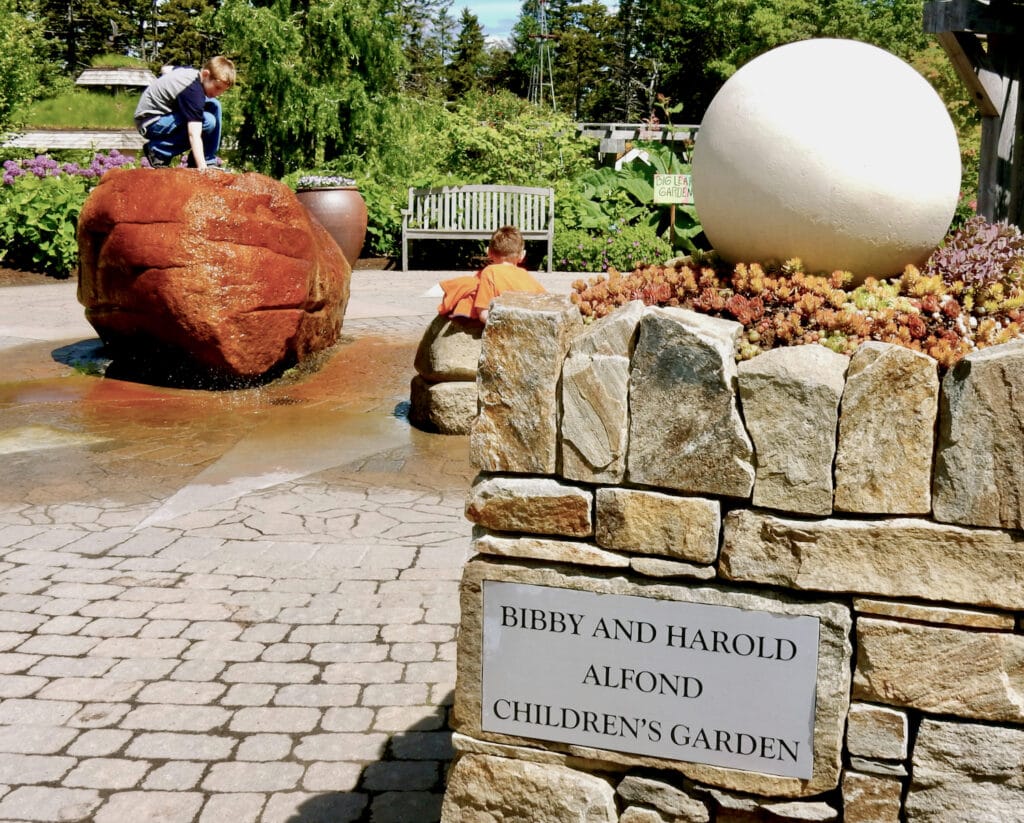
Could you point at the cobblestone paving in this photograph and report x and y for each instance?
(184, 639)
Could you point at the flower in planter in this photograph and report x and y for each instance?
(319, 181)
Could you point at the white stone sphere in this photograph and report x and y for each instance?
(833, 151)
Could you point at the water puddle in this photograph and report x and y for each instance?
(66, 431)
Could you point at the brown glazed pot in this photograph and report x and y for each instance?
(342, 211)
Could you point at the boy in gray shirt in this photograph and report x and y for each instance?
(178, 113)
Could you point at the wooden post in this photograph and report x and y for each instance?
(984, 43)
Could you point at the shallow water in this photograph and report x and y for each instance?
(68, 433)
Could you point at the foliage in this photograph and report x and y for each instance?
(934, 311)
(979, 254)
(38, 216)
(116, 61)
(308, 79)
(25, 66)
(625, 248)
(323, 181)
(186, 32)
(40, 201)
(470, 58)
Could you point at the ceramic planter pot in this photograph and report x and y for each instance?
(342, 211)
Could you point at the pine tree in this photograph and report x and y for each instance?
(466, 70)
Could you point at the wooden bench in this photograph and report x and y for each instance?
(475, 212)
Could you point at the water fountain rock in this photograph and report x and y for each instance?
(225, 272)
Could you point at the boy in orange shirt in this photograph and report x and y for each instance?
(471, 296)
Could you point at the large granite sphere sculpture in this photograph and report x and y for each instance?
(226, 273)
(833, 151)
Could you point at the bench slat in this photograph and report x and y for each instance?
(475, 212)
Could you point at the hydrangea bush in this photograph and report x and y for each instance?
(969, 295)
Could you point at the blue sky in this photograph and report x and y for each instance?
(496, 16)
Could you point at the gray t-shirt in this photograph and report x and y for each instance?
(161, 96)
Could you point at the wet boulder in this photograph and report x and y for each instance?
(226, 272)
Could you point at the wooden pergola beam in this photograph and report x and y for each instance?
(972, 66)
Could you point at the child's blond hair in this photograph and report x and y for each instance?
(221, 69)
(507, 244)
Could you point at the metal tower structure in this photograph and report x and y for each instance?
(542, 80)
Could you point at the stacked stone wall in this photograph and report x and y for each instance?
(635, 457)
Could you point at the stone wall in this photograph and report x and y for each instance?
(635, 457)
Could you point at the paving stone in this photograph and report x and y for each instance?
(348, 719)
(136, 648)
(13, 662)
(33, 768)
(341, 747)
(277, 719)
(345, 807)
(316, 695)
(163, 628)
(150, 669)
(64, 624)
(126, 609)
(36, 712)
(106, 773)
(249, 694)
(181, 692)
(264, 747)
(362, 672)
(332, 777)
(48, 803)
(237, 808)
(348, 652)
(56, 644)
(285, 652)
(90, 690)
(165, 807)
(394, 694)
(252, 777)
(176, 718)
(270, 673)
(177, 775)
(98, 742)
(423, 745)
(20, 685)
(399, 807)
(400, 776)
(223, 650)
(212, 630)
(71, 666)
(35, 739)
(94, 715)
(265, 633)
(176, 746)
(113, 627)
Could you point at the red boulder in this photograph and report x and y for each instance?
(225, 270)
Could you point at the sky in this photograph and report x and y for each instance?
(496, 16)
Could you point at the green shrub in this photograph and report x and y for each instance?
(38, 217)
(622, 248)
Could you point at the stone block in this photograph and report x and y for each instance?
(979, 464)
(833, 673)
(537, 505)
(685, 430)
(449, 350)
(790, 400)
(525, 341)
(965, 771)
(871, 799)
(595, 417)
(901, 557)
(887, 431)
(550, 550)
(446, 408)
(644, 522)
(970, 674)
(877, 731)
(482, 787)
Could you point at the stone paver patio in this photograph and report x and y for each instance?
(235, 606)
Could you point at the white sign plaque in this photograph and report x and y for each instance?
(673, 188)
(683, 681)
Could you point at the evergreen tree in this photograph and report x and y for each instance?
(83, 29)
(311, 72)
(184, 32)
(466, 70)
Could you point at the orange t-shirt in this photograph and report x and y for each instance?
(468, 296)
